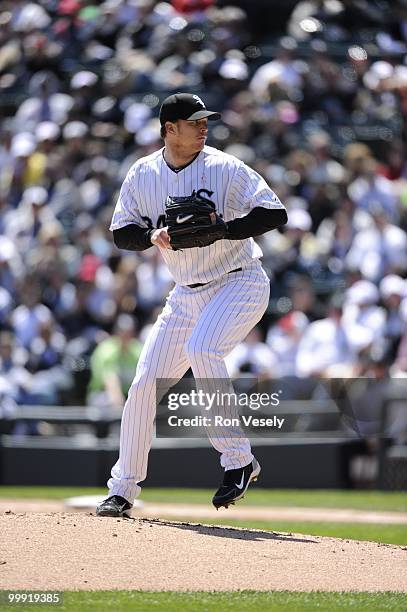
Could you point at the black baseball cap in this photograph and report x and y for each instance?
(185, 106)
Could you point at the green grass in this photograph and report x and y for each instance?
(357, 500)
(243, 601)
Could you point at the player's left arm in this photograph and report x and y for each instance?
(259, 221)
(250, 194)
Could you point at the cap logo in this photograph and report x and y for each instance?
(198, 99)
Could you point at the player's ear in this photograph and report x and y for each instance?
(170, 128)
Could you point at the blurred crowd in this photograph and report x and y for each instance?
(318, 108)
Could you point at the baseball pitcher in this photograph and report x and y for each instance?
(201, 208)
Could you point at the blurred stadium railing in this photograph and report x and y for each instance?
(74, 446)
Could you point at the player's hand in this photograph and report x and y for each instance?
(161, 238)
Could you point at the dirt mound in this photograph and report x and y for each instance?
(59, 551)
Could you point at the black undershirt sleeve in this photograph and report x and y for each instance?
(133, 238)
(259, 221)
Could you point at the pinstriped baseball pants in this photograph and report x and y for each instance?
(197, 328)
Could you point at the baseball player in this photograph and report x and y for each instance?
(221, 289)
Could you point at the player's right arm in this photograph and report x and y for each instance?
(135, 238)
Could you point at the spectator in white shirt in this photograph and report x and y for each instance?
(362, 316)
(380, 249)
(324, 345)
(283, 338)
(253, 357)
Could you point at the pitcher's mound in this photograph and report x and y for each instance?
(74, 551)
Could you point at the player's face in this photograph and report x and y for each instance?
(192, 134)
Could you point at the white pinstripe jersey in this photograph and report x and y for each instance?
(236, 190)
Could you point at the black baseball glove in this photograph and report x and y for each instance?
(192, 221)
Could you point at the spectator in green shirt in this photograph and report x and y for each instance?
(113, 365)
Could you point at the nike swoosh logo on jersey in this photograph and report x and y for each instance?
(240, 486)
(183, 219)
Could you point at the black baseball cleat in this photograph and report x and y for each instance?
(235, 483)
(115, 506)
